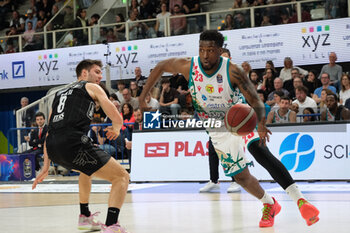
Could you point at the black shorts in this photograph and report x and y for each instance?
(75, 151)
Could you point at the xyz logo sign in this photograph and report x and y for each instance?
(314, 41)
(126, 59)
(46, 66)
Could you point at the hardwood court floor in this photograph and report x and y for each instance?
(178, 207)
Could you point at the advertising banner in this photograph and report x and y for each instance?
(305, 43)
(319, 152)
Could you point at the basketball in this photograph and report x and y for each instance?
(240, 119)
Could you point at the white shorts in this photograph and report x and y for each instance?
(248, 139)
(230, 150)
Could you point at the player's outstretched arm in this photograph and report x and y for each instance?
(97, 93)
(45, 170)
(238, 77)
(171, 65)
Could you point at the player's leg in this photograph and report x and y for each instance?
(251, 185)
(213, 169)
(86, 219)
(281, 175)
(113, 172)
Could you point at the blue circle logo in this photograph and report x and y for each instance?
(297, 152)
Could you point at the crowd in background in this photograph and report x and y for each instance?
(41, 12)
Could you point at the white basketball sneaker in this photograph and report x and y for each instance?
(209, 187)
(234, 188)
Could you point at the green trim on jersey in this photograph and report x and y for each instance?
(254, 140)
(207, 75)
(228, 74)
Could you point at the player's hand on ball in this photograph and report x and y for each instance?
(263, 132)
(111, 133)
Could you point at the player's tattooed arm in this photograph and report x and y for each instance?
(247, 88)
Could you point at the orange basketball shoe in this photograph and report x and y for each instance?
(269, 213)
(309, 212)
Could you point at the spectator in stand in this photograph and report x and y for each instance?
(344, 93)
(58, 20)
(134, 5)
(119, 30)
(278, 86)
(103, 36)
(239, 4)
(28, 37)
(268, 81)
(335, 71)
(173, 3)
(138, 115)
(284, 17)
(139, 78)
(332, 8)
(178, 25)
(347, 103)
(12, 40)
(134, 89)
(269, 65)
(5, 7)
(192, 7)
(37, 139)
(325, 80)
(254, 77)
(286, 72)
(263, 99)
(240, 21)
(303, 100)
(68, 18)
(312, 82)
(10, 48)
(322, 105)
(147, 9)
(128, 99)
(17, 21)
(277, 99)
(246, 68)
(169, 99)
(160, 25)
(308, 111)
(127, 112)
(41, 16)
(39, 39)
(266, 21)
(288, 85)
(121, 86)
(97, 136)
(334, 112)
(95, 30)
(152, 103)
(69, 40)
(134, 27)
(46, 6)
(305, 15)
(297, 82)
(81, 35)
(111, 37)
(30, 18)
(283, 114)
(59, 4)
(229, 23)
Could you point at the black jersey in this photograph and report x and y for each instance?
(72, 109)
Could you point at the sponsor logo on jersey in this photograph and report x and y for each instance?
(209, 88)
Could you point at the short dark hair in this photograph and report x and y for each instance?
(39, 114)
(165, 80)
(96, 16)
(212, 35)
(303, 89)
(326, 74)
(114, 96)
(279, 93)
(285, 98)
(225, 50)
(334, 95)
(86, 65)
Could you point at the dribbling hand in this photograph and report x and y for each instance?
(111, 133)
(263, 132)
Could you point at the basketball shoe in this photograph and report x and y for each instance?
(89, 223)
(210, 186)
(269, 213)
(233, 188)
(308, 212)
(115, 228)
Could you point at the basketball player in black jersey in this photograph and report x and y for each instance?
(67, 144)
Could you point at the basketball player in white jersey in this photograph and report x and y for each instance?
(216, 84)
(283, 114)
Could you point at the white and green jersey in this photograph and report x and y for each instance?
(212, 95)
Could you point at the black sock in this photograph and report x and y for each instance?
(112, 216)
(84, 209)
